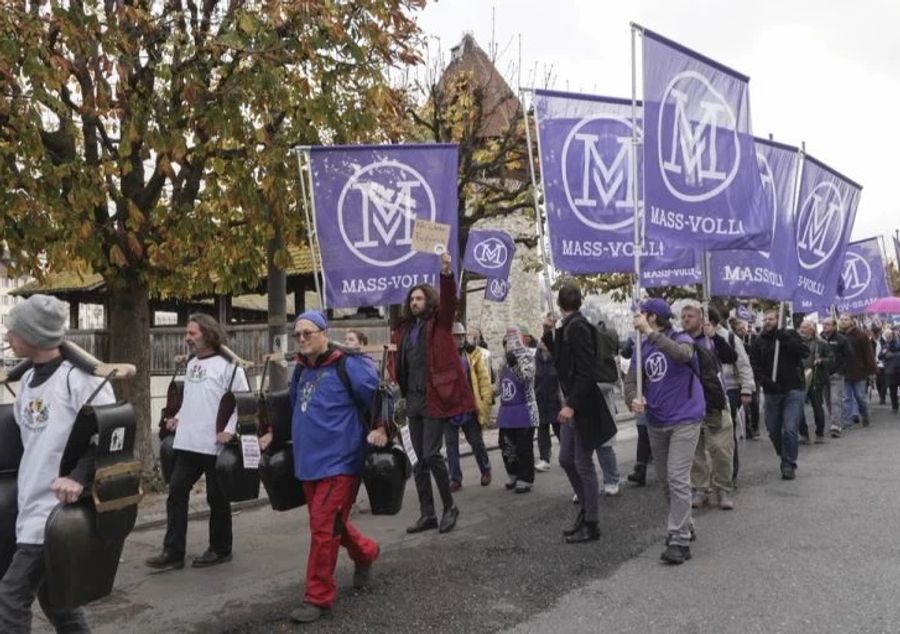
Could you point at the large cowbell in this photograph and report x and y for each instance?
(238, 484)
(10, 457)
(384, 474)
(276, 465)
(83, 541)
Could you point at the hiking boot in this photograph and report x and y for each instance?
(726, 502)
(638, 477)
(579, 520)
(210, 558)
(587, 532)
(362, 572)
(788, 473)
(448, 519)
(699, 500)
(486, 478)
(676, 555)
(166, 560)
(455, 486)
(308, 613)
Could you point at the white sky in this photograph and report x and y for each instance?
(826, 72)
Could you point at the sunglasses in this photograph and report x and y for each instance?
(305, 334)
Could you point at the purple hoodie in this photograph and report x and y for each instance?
(672, 390)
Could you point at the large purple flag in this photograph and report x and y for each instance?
(489, 253)
(585, 148)
(765, 274)
(826, 212)
(366, 200)
(671, 277)
(701, 178)
(863, 276)
(496, 290)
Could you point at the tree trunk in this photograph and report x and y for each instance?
(129, 342)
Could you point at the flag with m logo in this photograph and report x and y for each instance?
(489, 253)
(585, 150)
(701, 179)
(863, 277)
(366, 200)
(826, 211)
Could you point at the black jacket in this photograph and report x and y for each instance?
(790, 361)
(573, 351)
(841, 349)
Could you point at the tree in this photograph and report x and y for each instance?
(151, 141)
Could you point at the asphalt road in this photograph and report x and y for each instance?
(816, 554)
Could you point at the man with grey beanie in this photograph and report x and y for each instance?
(50, 395)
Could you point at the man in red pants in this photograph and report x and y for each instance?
(330, 390)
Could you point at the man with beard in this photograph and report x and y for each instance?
(837, 367)
(208, 376)
(860, 366)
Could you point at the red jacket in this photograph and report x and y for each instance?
(447, 389)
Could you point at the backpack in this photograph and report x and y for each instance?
(710, 367)
(606, 347)
(365, 412)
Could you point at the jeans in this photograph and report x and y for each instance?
(673, 455)
(835, 400)
(545, 444)
(189, 466)
(578, 463)
(472, 432)
(855, 400)
(815, 399)
(783, 413)
(608, 464)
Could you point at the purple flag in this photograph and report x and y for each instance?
(701, 179)
(863, 276)
(366, 200)
(585, 149)
(826, 210)
(766, 274)
(671, 277)
(496, 290)
(489, 253)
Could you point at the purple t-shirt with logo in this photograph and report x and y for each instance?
(672, 390)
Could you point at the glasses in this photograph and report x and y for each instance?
(305, 334)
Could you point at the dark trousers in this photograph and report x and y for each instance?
(24, 579)
(893, 388)
(644, 453)
(816, 398)
(545, 445)
(577, 460)
(734, 403)
(427, 435)
(517, 449)
(189, 466)
(881, 385)
(753, 416)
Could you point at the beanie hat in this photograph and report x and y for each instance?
(315, 317)
(40, 320)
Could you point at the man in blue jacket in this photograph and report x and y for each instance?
(330, 446)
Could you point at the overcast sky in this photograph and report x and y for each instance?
(826, 72)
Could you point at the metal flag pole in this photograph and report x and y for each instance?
(777, 342)
(636, 200)
(884, 262)
(539, 218)
(311, 237)
(707, 282)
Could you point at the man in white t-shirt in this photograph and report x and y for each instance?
(198, 441)
(50, 395)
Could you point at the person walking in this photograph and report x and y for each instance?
(546, 392)
(837, 368)
(860, 366)
(815, 371)
(890, 355)
(518, 415)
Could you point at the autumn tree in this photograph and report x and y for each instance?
(151, 141)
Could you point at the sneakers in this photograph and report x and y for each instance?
(676, 555)
(455, 486)
(486, 478)
(575, 499)
(361, 573)
(523, 487)
(542, 465)
(788, 473)
(726, 502)
(699, 500)
(210, 558)
(511, 484)
(835, 431)
(167, 560)
(308, 613)
(611, 489)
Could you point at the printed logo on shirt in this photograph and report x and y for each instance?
(507, 390)
(36, 415)
(306, 394)
(197, 374)
(656, 366)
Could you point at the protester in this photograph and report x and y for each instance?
(471, 423)
(713, 467)
(546, 392)
(355, 339)
(518, 415)
(877, 341)
(834, 390)
(741, 330)
(860, 366)
(208, 377)
(50, 396)
(638, 476)
(607, 378)
(675, 406)
(426, 352)
(585, 423)
(815, 371)
(890, 355)
(785, 391)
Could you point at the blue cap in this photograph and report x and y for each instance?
(658, 307)
(315, 317)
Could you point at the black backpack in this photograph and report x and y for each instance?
(606, 346)
(710, 368)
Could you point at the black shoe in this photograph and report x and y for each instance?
(167, 560)
(587, 532)
(638, 477)
(579, 520)
(448, 519)
(676, 555)
(865, 421)
(307, 613)
(210, 558)
(423, 524)
(788, 473)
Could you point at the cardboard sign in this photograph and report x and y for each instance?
(250, 451)
(430, 237)
(514, 340)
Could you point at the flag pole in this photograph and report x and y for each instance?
(636, 201)
(310, 228)
(777, 343)
(548, 301)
